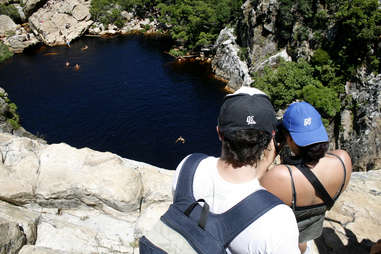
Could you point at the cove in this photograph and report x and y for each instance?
(128, 97)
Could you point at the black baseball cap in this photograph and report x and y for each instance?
(247, 108)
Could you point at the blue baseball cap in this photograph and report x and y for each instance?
(304, 124)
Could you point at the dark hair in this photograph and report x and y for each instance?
(244, 147)
(313, 153)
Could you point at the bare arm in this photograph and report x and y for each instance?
(344, 156)
(278, 182)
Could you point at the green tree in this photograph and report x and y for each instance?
(10, 11)
(324, 99)
(358, 24)
(292, 81)
(4, 52)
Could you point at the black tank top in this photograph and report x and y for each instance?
(310, 218)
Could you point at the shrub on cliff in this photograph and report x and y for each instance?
(4, 52)
(106, 12)
(10, 11)
(292, 81)
(195, 23)
(348, 30)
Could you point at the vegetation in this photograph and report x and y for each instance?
(4, 52)
(11, 114)
(345, 37)
(10, 11)
(194, 23)
(354, 30)
(291, 81)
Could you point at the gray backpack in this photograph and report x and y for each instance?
(188, 227)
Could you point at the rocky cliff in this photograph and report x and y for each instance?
(254, 43)
(59, 199)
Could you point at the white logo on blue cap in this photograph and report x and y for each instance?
(307, 121)
(250, 120)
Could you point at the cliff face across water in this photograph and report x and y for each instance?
(254, 43)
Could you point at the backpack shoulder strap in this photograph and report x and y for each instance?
(246, 212)
(184, 186)
(318, 186)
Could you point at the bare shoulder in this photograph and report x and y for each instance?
(346, 159)
(344, 156)
(276, 173)
(278, 181)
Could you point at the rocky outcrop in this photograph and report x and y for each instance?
(257, 31)
(227, 64)
(362, 125)
(353, 224)
(132, 24)
(20, 40)
(250, 47)
(58, 199)
(7, 26)
(9, 118)
(29, 6)
(59, 22)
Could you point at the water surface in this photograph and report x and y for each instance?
(128, 98)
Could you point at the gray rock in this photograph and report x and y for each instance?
(84, 201)
(78, 200)
(21, 40)
(227, 64)
(11, 237)
(59, 22)
(26, 220)
(32, 249)
(353, 224)
(7, 26)
(30, 5)
(362, 136)
(20, 11)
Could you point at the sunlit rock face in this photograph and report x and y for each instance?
(59, 198)
(59, 22)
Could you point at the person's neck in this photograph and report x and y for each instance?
(240, 174)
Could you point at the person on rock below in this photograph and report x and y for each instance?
(313, 179)
(246, 128)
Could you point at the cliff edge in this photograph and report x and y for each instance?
(59, 199)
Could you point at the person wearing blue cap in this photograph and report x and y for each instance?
(316, 178)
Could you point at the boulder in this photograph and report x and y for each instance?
(7, 26)
(353, 224)
(78, 200)
(21, 40)
(59, 22)
(227, 64)
(11, 237)
(26, 220)
(29, 6)
(32, 249)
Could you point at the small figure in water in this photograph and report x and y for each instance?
(84, 48)
(180, 139)
(76, 67)
(67, 64)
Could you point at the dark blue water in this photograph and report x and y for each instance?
(128, 98)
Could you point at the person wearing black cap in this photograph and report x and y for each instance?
(316, 178)
(246, 126)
